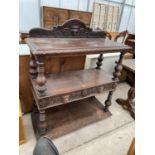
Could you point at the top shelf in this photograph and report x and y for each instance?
(74, 46)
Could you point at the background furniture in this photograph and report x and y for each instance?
(105, 17)
(52, 17)
(131, 42)
(129, 104)
(50, 90)
(21, 128)
(132, 148)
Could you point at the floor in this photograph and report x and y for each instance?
(111, 136)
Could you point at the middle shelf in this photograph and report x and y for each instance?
(73, 85)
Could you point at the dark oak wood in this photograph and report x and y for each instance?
(116, 75)
(129, 103)
(72, 28)
(74, 46)
(70, 117)
(99, 61)
(60, 88)
(73, 38)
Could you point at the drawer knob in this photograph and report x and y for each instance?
(66, 98)
(84, 92)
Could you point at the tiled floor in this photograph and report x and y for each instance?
(108, 137)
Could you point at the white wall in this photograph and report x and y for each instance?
(29, 16)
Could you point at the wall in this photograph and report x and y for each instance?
(29, 16)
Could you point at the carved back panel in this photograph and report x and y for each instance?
(72, 28)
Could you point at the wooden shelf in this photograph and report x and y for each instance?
(74, 46)
(70, 117)
(67, 82)
(74, 85)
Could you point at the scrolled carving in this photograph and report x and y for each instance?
(73, 28)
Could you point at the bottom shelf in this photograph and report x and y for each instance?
(70, 117)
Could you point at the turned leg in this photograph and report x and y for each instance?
(108, 101)
(33, 67)
(116, 74)
(41, 79)
(99, 61)
(42, 122)
(35, 108)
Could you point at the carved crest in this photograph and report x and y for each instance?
(73, 28)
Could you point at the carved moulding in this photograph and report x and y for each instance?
(72, 28)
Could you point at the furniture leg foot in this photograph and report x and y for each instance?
(128, 104)
(122, 102)
(108, 102)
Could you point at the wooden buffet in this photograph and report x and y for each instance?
(66, 101)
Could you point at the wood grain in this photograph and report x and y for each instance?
(74, 46)
(70, 117)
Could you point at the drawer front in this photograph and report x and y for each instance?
(67, 98)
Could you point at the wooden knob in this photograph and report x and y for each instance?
(84, 92)
(66, 98)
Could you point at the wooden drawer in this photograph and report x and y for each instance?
(67, 98)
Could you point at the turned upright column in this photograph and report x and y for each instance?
(116, 74)
(33, 66)
(99, 61)
(41, 88)
(41, 79)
